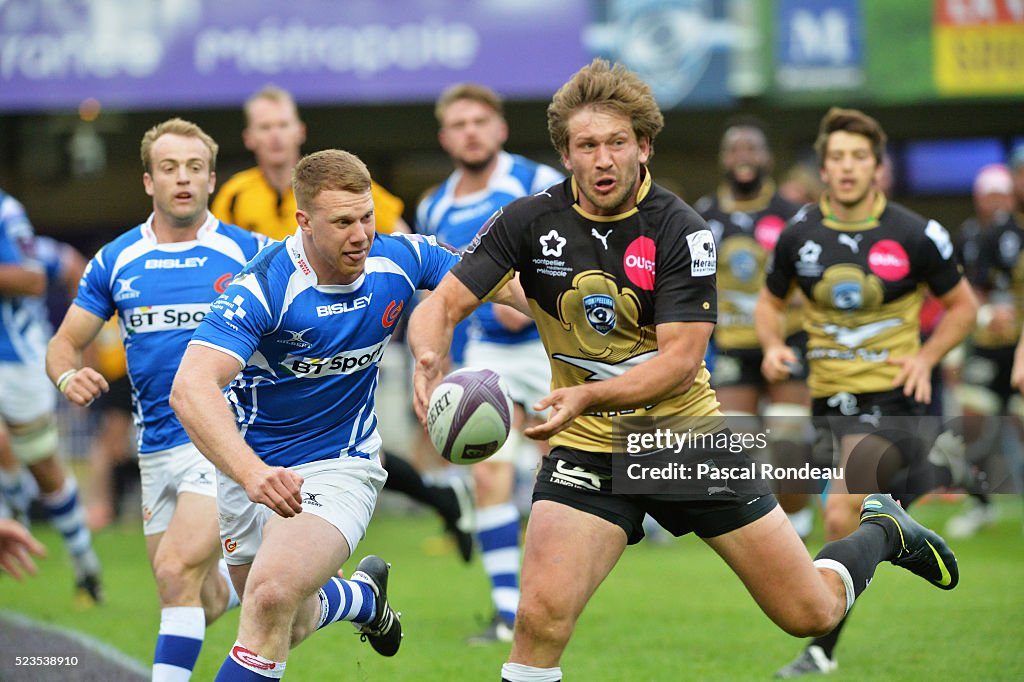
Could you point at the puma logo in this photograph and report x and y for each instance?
(603, 237)
(853, 242)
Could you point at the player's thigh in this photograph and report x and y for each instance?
(191, 537)
(567, 554)
(321, 546)
(771, 560)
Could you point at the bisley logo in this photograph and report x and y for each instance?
(343, 307)
(175, 263)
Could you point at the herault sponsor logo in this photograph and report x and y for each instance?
(158, 318)
(343, 306)
(348, 362)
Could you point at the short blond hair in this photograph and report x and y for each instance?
(331, 170)
(175, 126)
(272, 93)
(471, 91)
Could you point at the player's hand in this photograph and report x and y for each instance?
(16, 545)
(85, 386)
(426, 376)
(915, 376)
(777, 363)
(276, 487)
(566, 404)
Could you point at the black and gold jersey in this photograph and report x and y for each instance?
(746, 233)
(598, 286)
(1000, 276)
(864, 286)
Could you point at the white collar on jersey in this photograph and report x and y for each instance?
(297, 252)
(501, 169)
(206, 228)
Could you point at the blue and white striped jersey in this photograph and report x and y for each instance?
(309, 352)
(456, 221)
(23, 325)
(161, 292)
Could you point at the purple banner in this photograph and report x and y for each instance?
(138, 54)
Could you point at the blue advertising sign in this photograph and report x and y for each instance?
(820, 45)
(158, 53)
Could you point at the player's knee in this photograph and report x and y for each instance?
(543, 622)
(809, 618)
(177, 579)
(34, 442)
(270, 598)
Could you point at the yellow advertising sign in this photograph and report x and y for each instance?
(979, 47)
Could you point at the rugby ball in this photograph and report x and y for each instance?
(469, 415)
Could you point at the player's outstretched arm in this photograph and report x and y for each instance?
(430, 335)
(915, 371)
(671, 372)
(197, 398)
(80, 385)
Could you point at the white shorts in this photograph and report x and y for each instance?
(523, 366)
(167, 474)
(341, 491)
(26, 393)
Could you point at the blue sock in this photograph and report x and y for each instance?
(243, 665)
(349, 600)
(19, 489)
(498, 531)
(66, 515)
(177, 646)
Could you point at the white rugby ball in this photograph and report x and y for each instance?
(469, 415)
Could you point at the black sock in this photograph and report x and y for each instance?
(828, 642)
(403, 478)
(861, 551)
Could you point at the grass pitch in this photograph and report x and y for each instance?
(666, 613)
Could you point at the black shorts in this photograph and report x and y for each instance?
(890, 415)
(990, 368)
(855, 413)
(742, 366)
(583, 481)
(118, 398)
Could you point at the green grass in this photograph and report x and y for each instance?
(666, 613)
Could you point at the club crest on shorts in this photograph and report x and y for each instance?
(600, 309)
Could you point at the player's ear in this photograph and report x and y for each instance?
(645, 149)
(302, 218)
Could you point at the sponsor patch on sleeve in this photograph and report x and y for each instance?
(704, 258)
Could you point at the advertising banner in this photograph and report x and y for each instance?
(979, 47)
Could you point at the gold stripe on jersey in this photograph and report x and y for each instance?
(830, 220)
(850, 350)
(578, 353)
(645, 187)
(728, 204)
